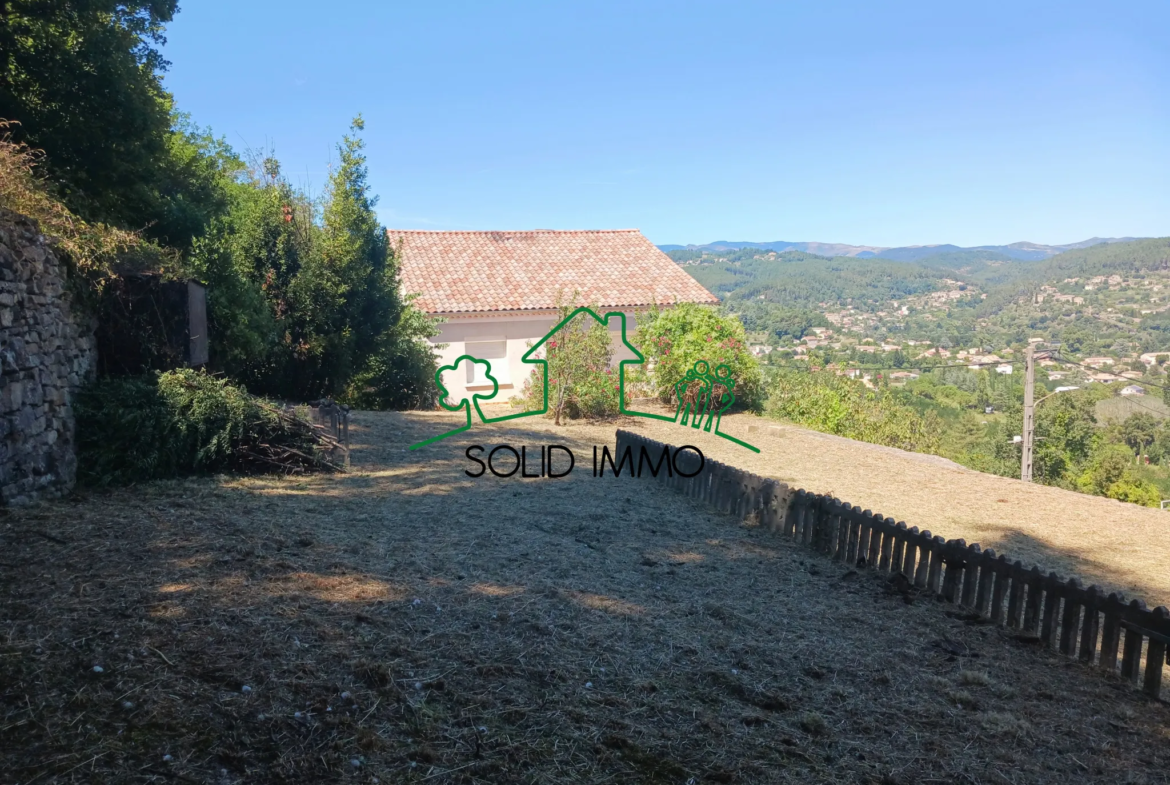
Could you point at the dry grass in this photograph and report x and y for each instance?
(94, 247)
(406, 623)
(1119, 546)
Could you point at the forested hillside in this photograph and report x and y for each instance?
(1110, 297)
(925, 354)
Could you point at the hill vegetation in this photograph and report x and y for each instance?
(905, 333)
(303, 294)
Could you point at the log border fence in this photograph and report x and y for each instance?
(1084, 623)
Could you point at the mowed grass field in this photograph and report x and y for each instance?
(407, 623)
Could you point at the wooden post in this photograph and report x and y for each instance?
(911, 551)
(1070, 619)
(1111, 631)
(887, 545)
(1032, 605)
(934, 577)
(1156, 651)
(974, 558)
(1050, 626)
(953, 562)
(986, 581)
(1089, 627)
(898, 554)
(876, 535)
(1002, 580)
(1131, 656)
(865, 533)
(1016, 595)
(922, 572)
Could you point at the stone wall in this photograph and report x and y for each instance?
(47, 351)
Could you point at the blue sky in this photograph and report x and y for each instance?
(881, 123)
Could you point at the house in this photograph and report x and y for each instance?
(1133, 389)
(1097, 362)
(497, 292)
(1151, 358)
(1005, 369)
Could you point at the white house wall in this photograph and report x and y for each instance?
(519, 332)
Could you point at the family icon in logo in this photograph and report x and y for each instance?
(703, 395)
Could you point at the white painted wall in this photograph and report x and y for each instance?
(517, 333)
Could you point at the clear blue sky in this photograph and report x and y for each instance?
(881, 123)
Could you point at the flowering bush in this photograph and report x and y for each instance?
(673, 339)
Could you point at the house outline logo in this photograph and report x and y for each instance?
(693, 409)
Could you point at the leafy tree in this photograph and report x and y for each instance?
(305, 304)
(1110, 475)
(1066, 436)
(1138, 431)
(82, 79)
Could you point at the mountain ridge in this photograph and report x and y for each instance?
(1023, 250)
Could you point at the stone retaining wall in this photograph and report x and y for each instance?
(47, 351)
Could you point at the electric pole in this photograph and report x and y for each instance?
(1029, 412)
(1046, 351)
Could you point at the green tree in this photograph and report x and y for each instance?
(82, 79)
(1138, 431)
(1066, 436)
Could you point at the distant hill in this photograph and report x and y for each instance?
(1023, 251)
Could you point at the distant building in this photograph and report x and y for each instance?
(1133, 389)
(1151, 358)
(1005, 369)
(1097, 362)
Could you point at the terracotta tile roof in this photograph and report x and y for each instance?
(466, 272)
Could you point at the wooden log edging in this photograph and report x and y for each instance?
(1057, 613)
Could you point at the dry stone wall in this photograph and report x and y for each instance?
(47, 351)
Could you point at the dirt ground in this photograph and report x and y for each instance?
(408, 623)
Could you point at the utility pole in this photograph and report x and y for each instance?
(1029, 413)
(1046, 351)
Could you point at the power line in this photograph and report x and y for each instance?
(1116, 375)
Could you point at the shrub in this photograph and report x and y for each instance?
(674, 339)
(132, 429)
(582, 382)
(846, 407)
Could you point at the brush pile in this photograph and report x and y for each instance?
(184, 422)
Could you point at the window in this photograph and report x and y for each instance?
(496, 352)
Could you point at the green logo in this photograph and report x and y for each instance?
(703, 395)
